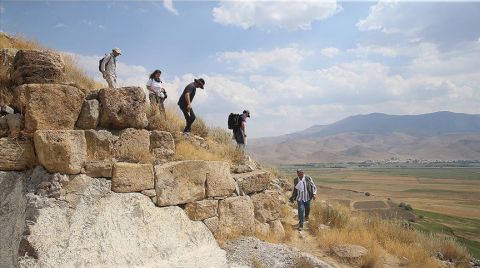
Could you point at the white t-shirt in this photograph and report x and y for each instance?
(156, 87)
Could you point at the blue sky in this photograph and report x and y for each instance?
(293, 64)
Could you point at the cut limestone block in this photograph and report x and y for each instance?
(201, 210)
(62, 151)
(88, 118)
(236, 217)
(122, 108)
(252, 182)
(37, 66)
(129, 177)
(133, 145)
(16, 154)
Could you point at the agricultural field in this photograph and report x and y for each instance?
(444, 200)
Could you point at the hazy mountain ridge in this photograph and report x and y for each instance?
(434, 136)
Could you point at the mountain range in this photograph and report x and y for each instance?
(434, 136)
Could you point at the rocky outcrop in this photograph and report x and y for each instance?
(63, 151)
(16, 154)
(102, 169)
(219, 180)
(122, 108)
(50, 106)
(128, 177)
(349, 251)
(88, 118)
(236, 217)
(251, 182)
(15, 124)
(12, 216)
(37, 66)
(98, 228)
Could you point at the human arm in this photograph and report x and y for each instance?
(314, 188)
(242, 127)
(187, 100)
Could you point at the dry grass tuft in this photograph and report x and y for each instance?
(78, 76)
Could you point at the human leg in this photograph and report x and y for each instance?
(307, 209)
(301, 211)
(187, 118)
(190, 121)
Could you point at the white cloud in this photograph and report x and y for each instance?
(283, 59)
(168, 4)
(330, 52)
(365, 51)
(274, 14)
(60, 25)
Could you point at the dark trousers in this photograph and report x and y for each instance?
(189, 118)
(303, 212)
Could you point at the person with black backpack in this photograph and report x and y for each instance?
(108, 65)
(237, 123)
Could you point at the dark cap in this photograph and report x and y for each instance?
(247, 112)
(200, 81)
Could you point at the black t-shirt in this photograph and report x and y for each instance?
(190, 88)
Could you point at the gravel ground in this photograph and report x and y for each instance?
(252, 252)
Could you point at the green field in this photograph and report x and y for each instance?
(447, 199)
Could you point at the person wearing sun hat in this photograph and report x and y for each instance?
(108, 67)
(185, 102)
(240, 134)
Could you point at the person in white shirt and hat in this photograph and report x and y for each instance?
(108, 67)
(304, 191)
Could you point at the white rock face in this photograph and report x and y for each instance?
(106, 229)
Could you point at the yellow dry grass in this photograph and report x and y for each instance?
(413, 248)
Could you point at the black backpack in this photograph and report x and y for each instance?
(234, 121)
(100, 62)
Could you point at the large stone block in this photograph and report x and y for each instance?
(15, 124)
(16, 154)
(133, 145)
(219, 179)
(101, 169)
(88, 118)
(201, 210)
(123, 108)
(37, 66)
(129, 177)
(236, 217)
(162, 144)
(99, 144)
(50, 106)
(252, 182)
(63, 151)
(180, 182)
(267, 207)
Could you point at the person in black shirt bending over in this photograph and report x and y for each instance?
(185, 102)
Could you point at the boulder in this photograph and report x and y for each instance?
(12, 216)
(88, 118)
(4, 131)
(201, 210)
(128, 177)
(219, 180)
(180, 182)
(99, 144)
(16, 154)
(162, 144)
(99, 169)
(276, 229)
(50, 106)
(105, 229)
(243, 169)
(123, 108)
(236, 217)
(15, 124)
(19, 98)
(133, 145)
(349, 251)
(6, 56)
(212, 224)
(63, 151)
(252, 182)
(266, 206)
(37, 67)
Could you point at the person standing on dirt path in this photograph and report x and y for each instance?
(304, 190)
(185, 102)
